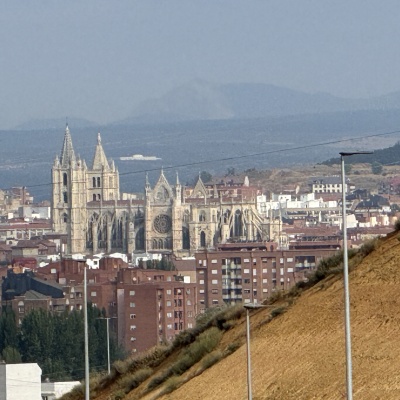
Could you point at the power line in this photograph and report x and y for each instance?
(237, 157)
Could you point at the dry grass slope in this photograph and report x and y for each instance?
(300, 355)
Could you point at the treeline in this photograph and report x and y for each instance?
(56, 342)
(389, 155)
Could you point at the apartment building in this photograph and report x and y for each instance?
(146, 306)
(153, 307)
(251, 275)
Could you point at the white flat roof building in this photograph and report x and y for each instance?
(20, 382)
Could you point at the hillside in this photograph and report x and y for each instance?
(299, 354)
(202, 100)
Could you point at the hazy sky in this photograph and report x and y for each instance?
(98, 59)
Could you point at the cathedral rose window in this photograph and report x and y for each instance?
(162, 223)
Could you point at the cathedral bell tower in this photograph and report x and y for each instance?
(68, 209)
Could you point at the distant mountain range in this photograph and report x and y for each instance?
(202, 100)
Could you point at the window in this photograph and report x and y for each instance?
(215, 301)
(214, 261)
(93, 294)
(201, 282)
(246, 271)
(247, 281)
(65, 197)
(190, 325)
(94, 197)
(169, 326)
(201, 291)
(265, 270)
(190, 314)
(169, 315)
(201, 272)
(133, 327)
(265, 280)
(98, 182)
(189, 303)
(202, 239)
(214, 281)
(169, 303)
(132, 316)
(94, 182)
(132, 293)
(169, 291)
(65, 179)
(133, 339)
(214, 291)
(254, 272)
(214, 271)
(132, 305)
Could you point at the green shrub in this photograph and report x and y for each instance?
(368, 247)
(118, 395)
(203, 344)
(277, 311)
(210, 359)
(232, 347)
(129, 381)
(171, 384)
(159, 379)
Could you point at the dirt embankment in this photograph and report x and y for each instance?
(300, 354)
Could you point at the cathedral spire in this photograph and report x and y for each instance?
(177, 179)
(99, 159)
(67, 152)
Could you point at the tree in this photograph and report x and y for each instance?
(8, 329)
(205, 176)
(376, 168)
(11, 355)
(230, 171)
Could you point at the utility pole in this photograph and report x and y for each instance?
(85, 318)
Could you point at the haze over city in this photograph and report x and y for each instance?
(99, 60)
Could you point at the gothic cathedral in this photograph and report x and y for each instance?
(86, 206)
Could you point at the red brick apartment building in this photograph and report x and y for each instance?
(147, 307)
(153, 307)
(251, 275)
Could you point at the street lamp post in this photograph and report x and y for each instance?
(248, 307)
(349, 378)
(108, 342)
(85, 319)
